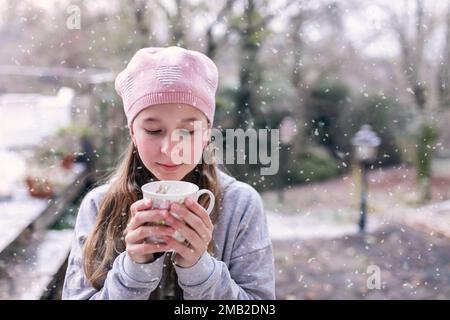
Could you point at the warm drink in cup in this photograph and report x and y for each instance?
(164, 193)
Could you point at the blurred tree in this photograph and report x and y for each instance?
(139, 9)
(250, 22)
(413, 36)
(252, 27)
(176, 14)
(444, 72)
(412, 49)
(213, 41)
(314, 64)
(323, 109)
(427, 136)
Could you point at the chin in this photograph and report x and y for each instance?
(177, 177)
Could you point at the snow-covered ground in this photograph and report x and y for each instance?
(329, 209)
(284, 227)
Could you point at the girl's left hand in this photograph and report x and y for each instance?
(195, 226)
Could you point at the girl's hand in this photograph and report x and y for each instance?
(140, 227)
(195, 226)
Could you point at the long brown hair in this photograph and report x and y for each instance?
(106, 240)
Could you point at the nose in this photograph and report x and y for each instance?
(166, 145)
(167, 148)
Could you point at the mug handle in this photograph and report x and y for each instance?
(212, 199)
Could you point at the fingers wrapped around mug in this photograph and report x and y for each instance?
(195, 227)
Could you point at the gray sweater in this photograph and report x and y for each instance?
(242, 266)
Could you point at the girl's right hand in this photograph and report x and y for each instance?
(141, 226)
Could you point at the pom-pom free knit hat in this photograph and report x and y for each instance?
(168, 75)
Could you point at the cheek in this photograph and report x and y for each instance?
(194, 148)
(147, 149)
(196, 152)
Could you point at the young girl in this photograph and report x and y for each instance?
(226, 255)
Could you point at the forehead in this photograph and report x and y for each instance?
(171, 112)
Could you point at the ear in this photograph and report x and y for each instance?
(133, 138)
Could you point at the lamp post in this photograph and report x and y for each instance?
(365, 144)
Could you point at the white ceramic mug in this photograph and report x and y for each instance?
(176, 191)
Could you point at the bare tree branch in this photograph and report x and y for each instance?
(211, 47)
(444, 72)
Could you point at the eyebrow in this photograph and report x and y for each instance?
(184, 120)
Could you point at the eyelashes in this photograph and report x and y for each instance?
(157, 132)
(152, 132)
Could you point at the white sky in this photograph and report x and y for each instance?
(373, 19)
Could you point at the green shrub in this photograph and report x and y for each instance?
(323, 110)
(427, 137)
(313, 164)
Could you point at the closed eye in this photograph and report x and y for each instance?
(152, 132)
(186, 132)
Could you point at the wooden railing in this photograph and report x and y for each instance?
(33, 257)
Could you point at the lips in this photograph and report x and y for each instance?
(169, 167)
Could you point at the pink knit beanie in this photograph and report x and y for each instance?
(168, 75)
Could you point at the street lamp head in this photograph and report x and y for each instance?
(365, 143)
